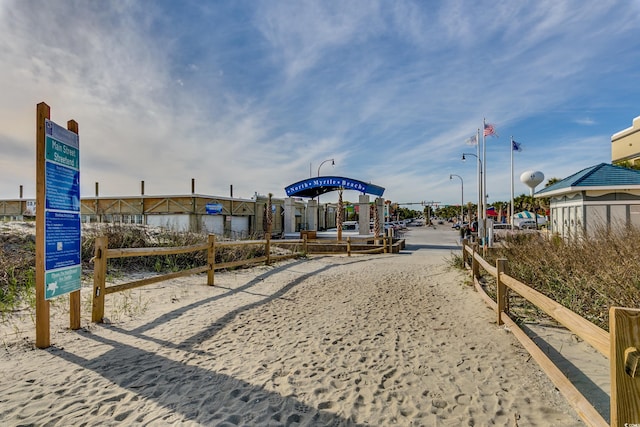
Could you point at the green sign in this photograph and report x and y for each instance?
(61, 153)
(62, 281)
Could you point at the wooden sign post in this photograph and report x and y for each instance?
(58, 239)
(43, 339)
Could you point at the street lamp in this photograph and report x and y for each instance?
(462, 197)
(333, 163)
(481, 200)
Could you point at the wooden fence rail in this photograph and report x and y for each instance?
(103, 253)
(621, 345)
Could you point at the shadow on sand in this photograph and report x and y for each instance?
(195, 393)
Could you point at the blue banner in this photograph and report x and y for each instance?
(213, 208)
(313, 186)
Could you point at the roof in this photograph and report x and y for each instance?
(599, 177)
(526, 214)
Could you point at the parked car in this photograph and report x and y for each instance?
(348, 226)
(501, 226)
(528, 224)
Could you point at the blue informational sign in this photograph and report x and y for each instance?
(213, 208)
(62, 211)
(63, 188)
(61, 135)
(62, 239)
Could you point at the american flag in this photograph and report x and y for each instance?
(489, 129)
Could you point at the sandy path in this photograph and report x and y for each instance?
(367, 340)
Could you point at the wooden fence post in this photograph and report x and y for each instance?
(305, 247)
(624, 329)
(475, 266)
(384, 244)
(211, 259)
(501, 291)
(99, 277)
(464, 252)
(348, 245)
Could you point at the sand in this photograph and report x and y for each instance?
(365, 340)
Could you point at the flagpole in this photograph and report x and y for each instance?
(479, 172)
(484, 183)
(511, 213)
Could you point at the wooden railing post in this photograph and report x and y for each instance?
(624, 329)
(501, 291)
(465, 242)
(348, 245)
(267, 249)
(475, 266)
(211, 259)
(305, 246)
(384, 244)
(99, 277)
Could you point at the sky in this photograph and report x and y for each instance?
(256, 95)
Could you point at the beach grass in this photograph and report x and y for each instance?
(587, 274)
(17, 257)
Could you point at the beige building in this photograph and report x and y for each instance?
(224, 216)
(625, 145)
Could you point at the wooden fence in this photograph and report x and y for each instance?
(621, 345)
(103, 253)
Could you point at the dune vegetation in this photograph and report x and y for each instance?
(17, 256)
(588, 274)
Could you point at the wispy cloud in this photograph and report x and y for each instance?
(586, 121)
(258, 94)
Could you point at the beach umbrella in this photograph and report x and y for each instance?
(526, 215)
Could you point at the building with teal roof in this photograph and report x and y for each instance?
(601, 195)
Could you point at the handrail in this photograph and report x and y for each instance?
(103, 253)
(168, 250)
(597, 337)
(619, 346)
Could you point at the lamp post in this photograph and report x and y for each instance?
(461, 198)
(481, 200)
(333, 163)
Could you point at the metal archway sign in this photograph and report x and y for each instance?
(313, 187)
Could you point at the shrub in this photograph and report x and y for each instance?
(587, 274)
(17, 256)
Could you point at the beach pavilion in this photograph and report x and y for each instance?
(601, 195)
(313, 187)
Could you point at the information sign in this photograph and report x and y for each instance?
(213, 208)
(62, 240)
(62, 211)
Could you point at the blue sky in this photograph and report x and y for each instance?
(256, 94)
